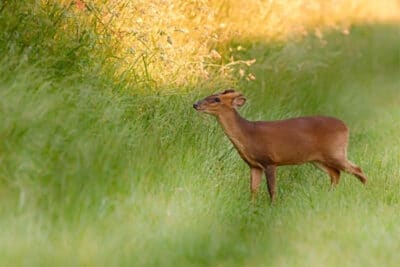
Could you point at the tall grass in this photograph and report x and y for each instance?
(92, 174)
(169, 43)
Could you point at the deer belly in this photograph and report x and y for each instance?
(295, 153)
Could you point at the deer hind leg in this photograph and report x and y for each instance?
(353, 169)
(333, 172)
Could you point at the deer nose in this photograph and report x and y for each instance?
(195, 105)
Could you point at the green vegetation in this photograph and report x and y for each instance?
(92, 174)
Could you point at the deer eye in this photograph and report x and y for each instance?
(217, 100)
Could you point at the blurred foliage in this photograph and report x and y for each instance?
(165, 43)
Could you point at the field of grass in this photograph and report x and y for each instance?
(92, 174)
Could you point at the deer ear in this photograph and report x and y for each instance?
(238, 101)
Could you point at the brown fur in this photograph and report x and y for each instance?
(264, 145)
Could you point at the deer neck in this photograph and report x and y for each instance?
(234, 127)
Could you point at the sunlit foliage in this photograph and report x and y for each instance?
(169, 42)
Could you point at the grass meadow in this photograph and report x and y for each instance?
(105, 167)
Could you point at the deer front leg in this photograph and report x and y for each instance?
(270, 171)
(256, 176)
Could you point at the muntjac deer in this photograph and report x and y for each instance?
(264, 145)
